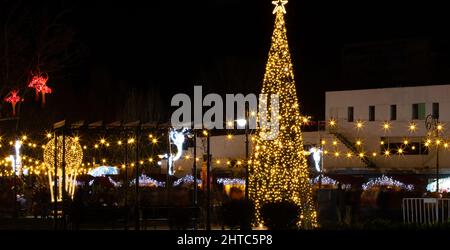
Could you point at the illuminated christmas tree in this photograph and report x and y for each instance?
(278, 169)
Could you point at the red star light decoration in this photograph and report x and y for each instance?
(39, 83)
(14, 98)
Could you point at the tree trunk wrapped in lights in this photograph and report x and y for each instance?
(73, 158)
(279, 170)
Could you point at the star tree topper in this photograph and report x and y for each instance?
(279, 6)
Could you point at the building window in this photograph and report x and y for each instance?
(435, 110)
(393, 112)
(371, 113)
(418, 111)
(350, 114)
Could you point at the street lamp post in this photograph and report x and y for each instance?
(432, 125)
(246, 157)
(244, 123)
(208, 182)
(194, 167)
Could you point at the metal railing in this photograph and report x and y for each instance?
(425, 210)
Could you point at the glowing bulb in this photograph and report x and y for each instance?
(131, 141)
(374, 154)
(332, 123)
(361, 155)
(154, 140)
(438, 142)
(241, 122)
(382, 142)
(119, 143)
(335, 143)
(336, 154)
(405, 142)
(445, 145)
(412, 127)
(386, 126)
(205, 132)
(359, 124)
(102, 141)
(439, 127)
(95, 146)
(358, 143)
(400, 151)
(323, 142)
(229, 136)
(24, 138)
(349, 155)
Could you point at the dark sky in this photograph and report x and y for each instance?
(166, 47)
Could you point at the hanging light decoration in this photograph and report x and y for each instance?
(39, 83)
(14, 98)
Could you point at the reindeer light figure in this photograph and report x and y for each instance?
(176, 138)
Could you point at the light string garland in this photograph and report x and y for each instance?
(332, 147)
(386, 181)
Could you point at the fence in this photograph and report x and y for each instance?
(425, 210)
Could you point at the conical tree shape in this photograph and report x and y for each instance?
(279, 169)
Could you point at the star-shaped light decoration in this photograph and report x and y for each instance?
(279, 6)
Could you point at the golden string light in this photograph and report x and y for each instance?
(359, 124)
(412, 127)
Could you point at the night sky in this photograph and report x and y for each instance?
(133, 54)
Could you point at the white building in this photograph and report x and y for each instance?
(385, 130)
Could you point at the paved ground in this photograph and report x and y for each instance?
(48, 224)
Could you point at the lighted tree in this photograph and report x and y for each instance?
(279, 170)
